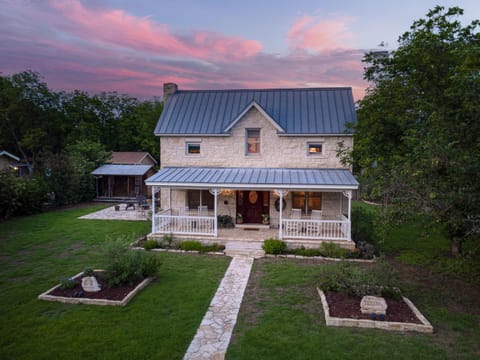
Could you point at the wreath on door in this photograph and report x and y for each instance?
(277, 204)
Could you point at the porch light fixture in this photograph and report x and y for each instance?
(227, 192)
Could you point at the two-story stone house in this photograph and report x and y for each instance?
(259, 156)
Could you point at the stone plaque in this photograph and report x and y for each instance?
(373, 304)
(90, 284)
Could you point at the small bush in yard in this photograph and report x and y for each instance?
(88, 272)
(150, 244)
(67, 283)
(354, 280)
(302, 251)
(274, 246)
(190, 245)
(333, 250)
(124, 266)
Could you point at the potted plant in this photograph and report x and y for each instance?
(239, 218)
(265, 219)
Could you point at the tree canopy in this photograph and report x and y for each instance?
(417, 138)
(63, 137)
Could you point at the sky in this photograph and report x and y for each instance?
(134, 47)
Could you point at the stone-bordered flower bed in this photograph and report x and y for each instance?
(414, 322)
(114, 296)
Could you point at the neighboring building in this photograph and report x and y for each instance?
(248, 151)
(123, 177)
(12, 162)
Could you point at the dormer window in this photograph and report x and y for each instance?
(314, 149)
(252, 141)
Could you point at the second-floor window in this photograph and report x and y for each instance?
(192, 148)
(314, 149)
(252, 141)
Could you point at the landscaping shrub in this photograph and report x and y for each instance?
(124, 266)
(198, 246)
(190, 245)
(150, 244)
(333, 250)
(302, 251)
(364, 223)
(88, 272)
(225, 221)
(274, 246)
(354, 280)
(166, 241)
(67, 283)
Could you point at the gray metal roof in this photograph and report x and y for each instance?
(296, 111)
(282, 178)
(126, 170)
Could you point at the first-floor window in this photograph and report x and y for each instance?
(196, 198)
(307, 201)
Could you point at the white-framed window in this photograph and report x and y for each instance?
(314, 148)
(307, 201)
(192, 148)
(252, 141)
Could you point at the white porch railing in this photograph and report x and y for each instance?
(316, 229)
(166, 223)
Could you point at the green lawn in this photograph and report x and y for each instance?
(159, 323)
(282, 318)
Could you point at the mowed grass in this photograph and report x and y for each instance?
(158, 323)
(282, 318)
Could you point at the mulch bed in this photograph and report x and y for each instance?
(346, 306)
(117, 293)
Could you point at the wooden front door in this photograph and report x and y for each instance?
(252, 204)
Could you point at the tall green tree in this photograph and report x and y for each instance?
(417, 137)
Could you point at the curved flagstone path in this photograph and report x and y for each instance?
(213, 335)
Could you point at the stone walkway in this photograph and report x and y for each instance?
(122, 214)
(213, 335)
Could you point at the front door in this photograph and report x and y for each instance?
(252, 204)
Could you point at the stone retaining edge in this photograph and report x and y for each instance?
(68, 300)
(291, 256)
(425, 327)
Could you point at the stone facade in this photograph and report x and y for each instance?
(276, 151)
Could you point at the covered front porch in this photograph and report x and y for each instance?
(305, 206)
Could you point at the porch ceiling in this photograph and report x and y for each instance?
(254, 178)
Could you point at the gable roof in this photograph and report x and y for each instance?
(125, 170)
(309, 111)
(6, 153)
(130, 157)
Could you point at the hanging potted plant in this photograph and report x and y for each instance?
(265, 219)
(239, 218)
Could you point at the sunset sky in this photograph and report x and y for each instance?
(133, 47)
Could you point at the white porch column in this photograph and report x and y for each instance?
(154, 188)
(348, 194)
(280, 227)
(215, 207)
(170, 199)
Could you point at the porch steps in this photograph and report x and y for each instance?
(245, 248)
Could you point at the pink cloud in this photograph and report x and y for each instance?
(78, 47)
(118, 28)
(312, 33)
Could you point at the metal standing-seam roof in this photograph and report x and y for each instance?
(258, 178)
(122, 170)
(296, 111)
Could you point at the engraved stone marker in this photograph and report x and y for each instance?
(90, 284)
(373, 305)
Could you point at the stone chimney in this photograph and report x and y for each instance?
(169, 89)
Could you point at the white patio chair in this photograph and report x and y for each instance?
(314, 227)
(203, 210)
(183, 223)
(293, 227)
